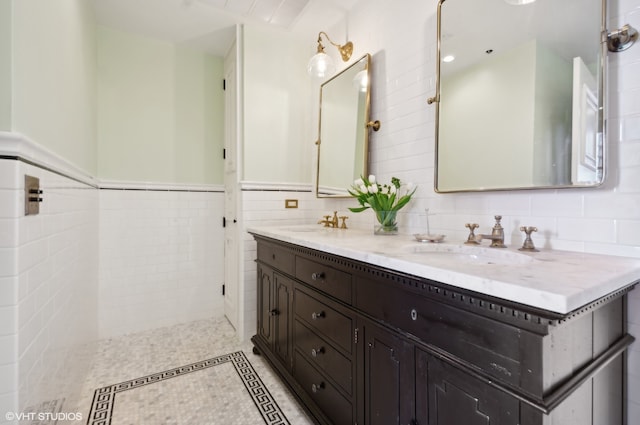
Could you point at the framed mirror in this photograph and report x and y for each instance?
(519, 94)
(343, 136)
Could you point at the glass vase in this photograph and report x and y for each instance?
(386, 223)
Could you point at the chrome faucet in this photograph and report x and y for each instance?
(497, 235)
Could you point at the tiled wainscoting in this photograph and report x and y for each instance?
(94, 263)
(48, 287)
(161, 258)
(265, 206)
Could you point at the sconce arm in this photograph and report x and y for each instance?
(345, 50)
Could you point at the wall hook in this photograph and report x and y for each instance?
(621, 39)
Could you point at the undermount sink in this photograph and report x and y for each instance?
(470, 254)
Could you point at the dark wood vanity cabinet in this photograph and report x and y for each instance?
(449, 396)
(388, 378)
(358, 344)
(403, 384)
(275, 293)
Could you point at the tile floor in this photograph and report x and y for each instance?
(217, 394)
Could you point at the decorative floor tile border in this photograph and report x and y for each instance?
(104, 398)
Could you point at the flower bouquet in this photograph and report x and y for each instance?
(384, 199)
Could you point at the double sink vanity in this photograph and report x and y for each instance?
(385, 330)
(371, 329)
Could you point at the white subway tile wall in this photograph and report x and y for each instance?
(161, 259)
(48, 287)
(161, 263)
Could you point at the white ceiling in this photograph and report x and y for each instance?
(210, 24)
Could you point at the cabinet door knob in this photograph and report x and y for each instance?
(317, 387)
(316, 351)
(317, 276)
(316, 316)
(274, 312)
(414, 314)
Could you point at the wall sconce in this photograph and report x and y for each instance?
(321, 64)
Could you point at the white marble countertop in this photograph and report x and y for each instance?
(558, 281)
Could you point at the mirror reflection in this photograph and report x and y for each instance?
(343, 135)
(520, 94)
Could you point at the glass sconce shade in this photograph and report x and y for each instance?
(321, 65)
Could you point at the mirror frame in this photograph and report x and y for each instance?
(367, 109)
(602, 105)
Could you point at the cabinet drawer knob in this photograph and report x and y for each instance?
(414, 314)
(274, 312)
(317, 387)
(317, 276)
(317, 351)
(316, 316)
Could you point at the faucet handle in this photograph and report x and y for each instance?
(528, 243)
(326, 221)
(344, 221)
(471, 239)
(497, 225)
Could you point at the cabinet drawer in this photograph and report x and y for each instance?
(324, 356)
(492, 346)
(324, 319)
(277, 257)
(324, 278)
(326, 396)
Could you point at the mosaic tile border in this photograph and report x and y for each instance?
(104, 398)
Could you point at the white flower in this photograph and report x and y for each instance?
(392, 189)
(363, 188)
(373, 188)
(358, 182)
(372, 178)
(410, 186)
(384, 190)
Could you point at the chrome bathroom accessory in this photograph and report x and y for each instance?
(471, 239)
(32, 195)
(428, 237)
(528, 243)
(621, 39)
(497, 235)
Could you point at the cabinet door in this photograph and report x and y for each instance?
(447, 396)
(283, 302)
(388, 373)
(264, 313)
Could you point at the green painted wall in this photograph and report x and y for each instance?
(160, 111)
(53, 77)
(277, 106)
(5, 65)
